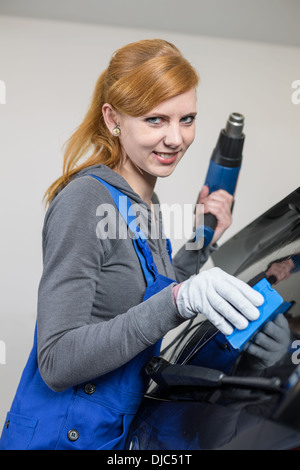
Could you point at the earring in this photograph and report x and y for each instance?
(116, 130)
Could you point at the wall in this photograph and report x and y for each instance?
(49, 69)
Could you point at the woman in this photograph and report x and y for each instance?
(108, 292)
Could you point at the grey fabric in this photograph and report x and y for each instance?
(91, 318)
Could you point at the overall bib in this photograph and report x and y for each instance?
(93, 415)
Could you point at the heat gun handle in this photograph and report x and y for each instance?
(210, 224)
(218, 177)
(210, 221)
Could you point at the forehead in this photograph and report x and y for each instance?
(183, 104)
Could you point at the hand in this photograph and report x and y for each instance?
(270, 344)
(226, 301)
(218, 203)
(281, 270)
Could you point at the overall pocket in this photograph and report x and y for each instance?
(92, 425)
(17, 432)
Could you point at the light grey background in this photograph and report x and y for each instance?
(247, 55)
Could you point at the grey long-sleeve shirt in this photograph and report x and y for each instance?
(91, 315)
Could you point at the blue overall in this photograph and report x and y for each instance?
(93, 415)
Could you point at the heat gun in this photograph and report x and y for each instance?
(224, 168)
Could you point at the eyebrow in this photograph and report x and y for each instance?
(193, 113)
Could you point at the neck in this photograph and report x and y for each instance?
(142, 183)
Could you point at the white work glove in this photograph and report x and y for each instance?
(224, 300)
(271, 344)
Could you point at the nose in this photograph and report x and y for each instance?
(173, 137)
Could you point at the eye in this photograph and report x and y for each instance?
(154, 120)
(188, 119)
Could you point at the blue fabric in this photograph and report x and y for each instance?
(217, 353)
(43, 419)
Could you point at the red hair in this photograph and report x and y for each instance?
(139, 76)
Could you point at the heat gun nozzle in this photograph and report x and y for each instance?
(234, 125)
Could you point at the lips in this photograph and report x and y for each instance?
(165, 158)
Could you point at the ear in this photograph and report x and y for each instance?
(110, 116)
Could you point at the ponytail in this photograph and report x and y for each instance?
(92, 133)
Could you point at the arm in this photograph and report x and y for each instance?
(71, 348)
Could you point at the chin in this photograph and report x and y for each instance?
(166, 170)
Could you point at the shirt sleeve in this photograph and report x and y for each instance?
(72, 349)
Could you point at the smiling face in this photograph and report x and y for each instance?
(156, 142)
(153, 144)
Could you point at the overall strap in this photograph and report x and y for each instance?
(140, 244)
